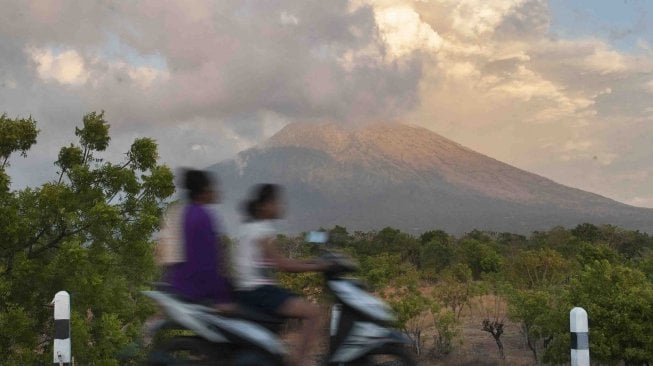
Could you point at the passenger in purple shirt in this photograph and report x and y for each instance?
(201, 277)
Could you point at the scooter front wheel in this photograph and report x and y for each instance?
(186, 351)
(389, 356)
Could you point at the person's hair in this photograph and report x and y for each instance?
(260, 195)
(197, 182)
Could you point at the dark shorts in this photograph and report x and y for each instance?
(266, 299)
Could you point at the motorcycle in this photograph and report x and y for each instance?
(359, 332)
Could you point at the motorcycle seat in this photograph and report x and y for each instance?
(241, 312)
(255, 316)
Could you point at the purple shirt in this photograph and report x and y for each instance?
(201, 277)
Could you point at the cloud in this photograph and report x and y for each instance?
(228, 59)
(288, 18)
(403, 32)
(649, 86)
(506, 86)
(66, 68)
(640, 201)
(210, 78)
(70, 68)
(473, 18)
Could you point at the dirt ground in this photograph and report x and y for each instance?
(473, 346)
(477, 347)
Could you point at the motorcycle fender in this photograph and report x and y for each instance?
(364, 338)
(396, 337)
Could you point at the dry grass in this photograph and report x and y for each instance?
(474, 347)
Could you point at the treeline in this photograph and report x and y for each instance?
(431, 279)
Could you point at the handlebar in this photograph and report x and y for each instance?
(340, 262)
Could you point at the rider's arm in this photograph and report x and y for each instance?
(273, 254)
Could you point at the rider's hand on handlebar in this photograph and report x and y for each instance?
(321, 265)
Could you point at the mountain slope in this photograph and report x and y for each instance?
(411, 178)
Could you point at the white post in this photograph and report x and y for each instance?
(580, 350)
(61, 349)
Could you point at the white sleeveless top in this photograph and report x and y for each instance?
(251, 270)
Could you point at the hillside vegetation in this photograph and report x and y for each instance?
(440, 285)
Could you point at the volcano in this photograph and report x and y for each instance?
(407, 177)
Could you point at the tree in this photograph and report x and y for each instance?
(454, 290)
(539, 268)
(630, 244)
(88, 232)
(619, 303)
(391, 240)
(410, 306)
(494, 318)
(587, 232)
(532, 308)
(446, 330)
(480, 255)
(494, 326)
(339, 236)
(381, 270)
(646, 266)
(434, 235)
(16, 135)
(558, 238)
(434, 256)
(587, 253)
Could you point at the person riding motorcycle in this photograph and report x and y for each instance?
(201, 277)
(256, 255)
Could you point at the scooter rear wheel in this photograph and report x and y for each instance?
(250, 357)
(389, 356)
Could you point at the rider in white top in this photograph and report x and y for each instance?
(251, 268)
(255, 256)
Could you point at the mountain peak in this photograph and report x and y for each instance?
(328, 137)
(392, 174)
(407, 145)
(410, 150)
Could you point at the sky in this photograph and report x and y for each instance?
(561, 88)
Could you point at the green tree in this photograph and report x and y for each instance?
(587, 232)
(434, 256)
(481, 256)
(17, 135)
(619, 303)
(434, 235)
(410, 306)
(630, 244)
(381, 270)
(540, 268)
(446, 329)
(587, 253)
(454, 289)
(646, 265)
(534, 310)
(558, 238)
(88, 232)
(339, 236)
(391, 240)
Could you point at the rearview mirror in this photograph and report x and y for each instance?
(319, 237)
